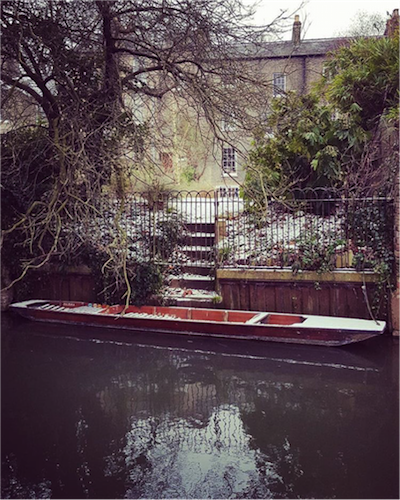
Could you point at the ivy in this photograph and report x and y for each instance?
(370, 230)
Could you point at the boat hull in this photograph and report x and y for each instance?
(247, 325)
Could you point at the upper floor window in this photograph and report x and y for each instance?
(228, 125)
(166, 161)
(138, 67)
(228, 160)
(279, 84)
(327, 72)
(229, 122)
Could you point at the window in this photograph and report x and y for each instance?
(229, 122)
(279, 84)
(228, 161)
(228, 191)
(139, 71)
(166, 161)
(327, 72)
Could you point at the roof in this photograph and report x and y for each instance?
(271, 50)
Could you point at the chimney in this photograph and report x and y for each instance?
(296, 30)
(392, 24)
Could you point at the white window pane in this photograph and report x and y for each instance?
(228, 160)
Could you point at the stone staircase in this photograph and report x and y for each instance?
(195, 286)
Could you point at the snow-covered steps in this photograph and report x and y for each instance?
(200, 227)
(203, 268)
(200, 239)
(198, 252)
(190, 297)
(192, 281)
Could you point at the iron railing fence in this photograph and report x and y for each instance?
(176, 227)
(314, 229)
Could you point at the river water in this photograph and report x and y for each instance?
(94, 414)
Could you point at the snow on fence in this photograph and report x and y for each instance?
(312, 230)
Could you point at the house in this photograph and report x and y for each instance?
(204, 163)
(183, 152)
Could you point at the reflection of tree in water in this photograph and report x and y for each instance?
(134, 421)
(172, 458)
(203, 428)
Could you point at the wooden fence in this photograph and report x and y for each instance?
(339, 293)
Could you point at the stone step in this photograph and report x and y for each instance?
(193, 302)
(198, 253)
(189, 298)
(202, 268)
(196, 282)
(200, 240)
(200, 227)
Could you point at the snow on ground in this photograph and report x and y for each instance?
(276, 242)
(205, 209)
(245, 241)
(282, 233)
(192, 293)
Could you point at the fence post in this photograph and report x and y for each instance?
(216, 229)
(395, 303)
(220, 222)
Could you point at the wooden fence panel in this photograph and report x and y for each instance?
(58, 286)
(326, 298)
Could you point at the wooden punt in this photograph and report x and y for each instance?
(273, 327)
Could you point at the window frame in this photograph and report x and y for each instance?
(166, 161)
(279, 85)
(229, 161)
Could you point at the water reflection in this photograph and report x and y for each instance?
(176, 418)
(181, 458)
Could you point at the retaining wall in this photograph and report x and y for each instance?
(339, 293)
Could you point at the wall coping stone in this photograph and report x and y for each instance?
(340, 276)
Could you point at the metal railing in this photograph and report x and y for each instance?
(167, 227)
(313, 229)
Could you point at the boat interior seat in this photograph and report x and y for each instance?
(282, 319)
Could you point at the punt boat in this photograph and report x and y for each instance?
(252, 325)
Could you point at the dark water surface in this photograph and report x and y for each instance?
(168, 417)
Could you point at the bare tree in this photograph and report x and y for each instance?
(365, 24)
(84, 83)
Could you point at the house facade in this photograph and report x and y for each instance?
(199, 161)
(183, 151)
